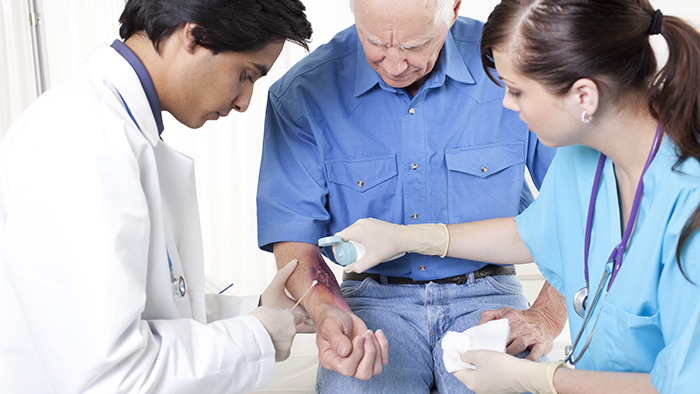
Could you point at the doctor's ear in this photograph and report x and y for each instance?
(189, 36)
(586, 94)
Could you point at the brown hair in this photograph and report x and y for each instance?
(558, 42)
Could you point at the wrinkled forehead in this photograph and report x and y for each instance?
(398, 22)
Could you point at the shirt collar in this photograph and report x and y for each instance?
(449, 64)
(146, 81)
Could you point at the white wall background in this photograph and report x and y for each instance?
(227, 152)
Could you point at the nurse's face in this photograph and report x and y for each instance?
(553, 118)
(211, 85)
(401, 40)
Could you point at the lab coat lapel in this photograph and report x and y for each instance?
(182, 229)
(171, 193)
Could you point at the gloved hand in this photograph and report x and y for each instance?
(500, 373)
(281, 325)
(275, 296)
(383, 240)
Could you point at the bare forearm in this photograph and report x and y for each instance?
(311, 266)
(552, 306)
(577, 381)
(493, 241)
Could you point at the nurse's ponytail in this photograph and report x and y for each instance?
(675, 102)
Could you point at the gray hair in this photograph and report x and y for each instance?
(443, 9)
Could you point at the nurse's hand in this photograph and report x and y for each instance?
(276, 296)
(384, 241)
(346, 346)
(536, 328)
(281, 325)
(500, 373)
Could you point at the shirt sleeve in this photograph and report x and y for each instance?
(537, 229)
(676, 367)
(292, 191)
(539, 157)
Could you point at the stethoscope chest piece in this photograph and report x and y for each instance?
(580, 301)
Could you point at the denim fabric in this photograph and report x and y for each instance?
(415, 318)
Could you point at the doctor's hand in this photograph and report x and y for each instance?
(281, 325)
(346, 346)
(500, 373)
(276, 296)
(384, 240)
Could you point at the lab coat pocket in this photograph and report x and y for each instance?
(631, 341)
(490, 176)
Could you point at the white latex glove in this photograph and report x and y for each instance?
(281, 325)
(500, 373)
(275, 296)
(384, 240)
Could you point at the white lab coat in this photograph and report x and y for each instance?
(88, 203)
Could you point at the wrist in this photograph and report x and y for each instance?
(429, 239)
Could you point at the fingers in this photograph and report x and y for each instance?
(308, 326)
(284, 273)
(366, 366)
(536, 352)
(464, 375)
(298, 317)
(383, 346)
(469, 356)
(338, 341)
(359, 266)
(488, 316)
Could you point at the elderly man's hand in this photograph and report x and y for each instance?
(536, 328)
(346, 346)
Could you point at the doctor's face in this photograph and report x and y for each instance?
(401, 39)
(211, 85)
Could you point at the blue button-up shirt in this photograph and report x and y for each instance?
(341, 145)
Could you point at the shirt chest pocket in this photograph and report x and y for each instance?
(489, 176)
(362, 175)
(484, 161)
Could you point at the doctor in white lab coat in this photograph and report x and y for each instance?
(101, 271)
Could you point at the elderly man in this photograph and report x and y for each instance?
(395, 119)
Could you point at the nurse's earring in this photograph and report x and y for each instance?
(585, 118)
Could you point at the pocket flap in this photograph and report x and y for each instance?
(484, 161)
(362, 174)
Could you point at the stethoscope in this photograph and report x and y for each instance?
(614, 263)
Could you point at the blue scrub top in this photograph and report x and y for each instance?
(341, 145)
(650, 321)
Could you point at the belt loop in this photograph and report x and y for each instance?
(470, 279)
(383, 279)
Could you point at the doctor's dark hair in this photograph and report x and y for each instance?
(557, 42)
(222, 25)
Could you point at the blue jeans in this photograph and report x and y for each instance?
(415, 318)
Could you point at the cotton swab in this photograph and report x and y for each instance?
(307, 292)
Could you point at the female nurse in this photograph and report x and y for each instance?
(615, 226)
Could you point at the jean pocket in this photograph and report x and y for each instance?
(505, 284)
(351, 288)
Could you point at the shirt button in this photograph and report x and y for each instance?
(484, 169)
(412, 111)
(422, 268)
(414, 216)
(360, 183)
(414, 166)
